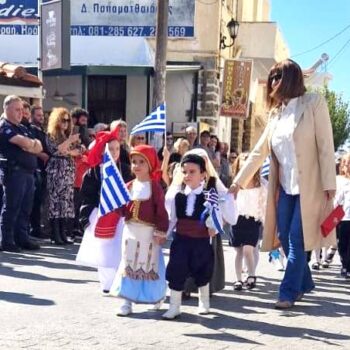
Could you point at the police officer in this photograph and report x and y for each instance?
(35, 123)
(19, 149)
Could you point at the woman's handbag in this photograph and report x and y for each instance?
(332, 220)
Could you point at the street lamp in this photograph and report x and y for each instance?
(232, 27)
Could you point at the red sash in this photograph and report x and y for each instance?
(107, 224)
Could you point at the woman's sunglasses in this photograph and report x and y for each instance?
(276, 77)
(65, 120)
(140, 138)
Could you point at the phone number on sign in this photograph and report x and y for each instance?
(173, 31)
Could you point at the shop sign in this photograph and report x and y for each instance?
(235, 89)
(102, 18)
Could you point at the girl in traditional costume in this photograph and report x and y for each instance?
(101, 244)
(141, 274)
(192, 253)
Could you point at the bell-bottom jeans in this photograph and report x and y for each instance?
(297, 278)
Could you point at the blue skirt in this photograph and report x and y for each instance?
(142, 291)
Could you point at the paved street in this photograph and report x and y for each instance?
(48, 302)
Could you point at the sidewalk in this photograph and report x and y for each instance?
(48, 302)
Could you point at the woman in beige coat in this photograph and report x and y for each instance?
(299, 139)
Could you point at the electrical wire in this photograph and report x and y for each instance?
(338, 53)
(323, 43)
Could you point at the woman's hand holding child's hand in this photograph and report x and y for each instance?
(212, 232)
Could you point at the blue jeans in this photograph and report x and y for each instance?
(17, 206)
(297, 278)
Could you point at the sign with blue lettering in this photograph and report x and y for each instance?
(102, 18)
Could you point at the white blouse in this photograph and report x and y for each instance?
(343, 196)
(227, 206)
(140, 190)
(284, 149)
(251, 202)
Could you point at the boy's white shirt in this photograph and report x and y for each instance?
(227, 206)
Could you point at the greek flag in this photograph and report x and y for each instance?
(265, 169)
(211, 205)
(114, 193)
(155, 122)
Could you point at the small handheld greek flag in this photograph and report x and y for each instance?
(155, 122)
(212, 209)
(114, 193)
(265, 169)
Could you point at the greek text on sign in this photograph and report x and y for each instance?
(102, 18)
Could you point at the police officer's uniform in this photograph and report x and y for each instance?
(18, 185)
(40, 182)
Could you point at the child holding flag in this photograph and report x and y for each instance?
(101, 244)
(196, 216)
(141, 275)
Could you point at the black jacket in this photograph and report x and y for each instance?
(90, 194)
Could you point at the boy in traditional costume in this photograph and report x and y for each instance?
(196, 217)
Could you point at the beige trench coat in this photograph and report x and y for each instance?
(313, 141)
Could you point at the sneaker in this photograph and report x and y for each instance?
(283, 305)
(330, 255)
(325, 264)
(315, 266)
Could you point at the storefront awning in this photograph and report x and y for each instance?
(30, 92)
(85, 51)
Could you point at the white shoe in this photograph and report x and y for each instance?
(203, 303)
(125, 309)
(159, 305)
(174, 306)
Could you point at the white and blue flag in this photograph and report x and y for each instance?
(114, 193)
(265, 169)
(155, 122)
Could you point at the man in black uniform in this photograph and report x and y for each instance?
(19, 148)
(35, 125)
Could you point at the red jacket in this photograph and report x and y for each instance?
(81, 167)
(150, 211)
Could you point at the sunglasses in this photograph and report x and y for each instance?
(276, 77)
(65, 120)
(140, 138)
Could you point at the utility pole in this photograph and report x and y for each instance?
(39, 71)
(161, 51)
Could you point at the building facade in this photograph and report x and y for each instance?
(112, 59)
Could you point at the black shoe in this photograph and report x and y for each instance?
(30, 245)
(12, 248)
(66, 230)
(55, 232)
